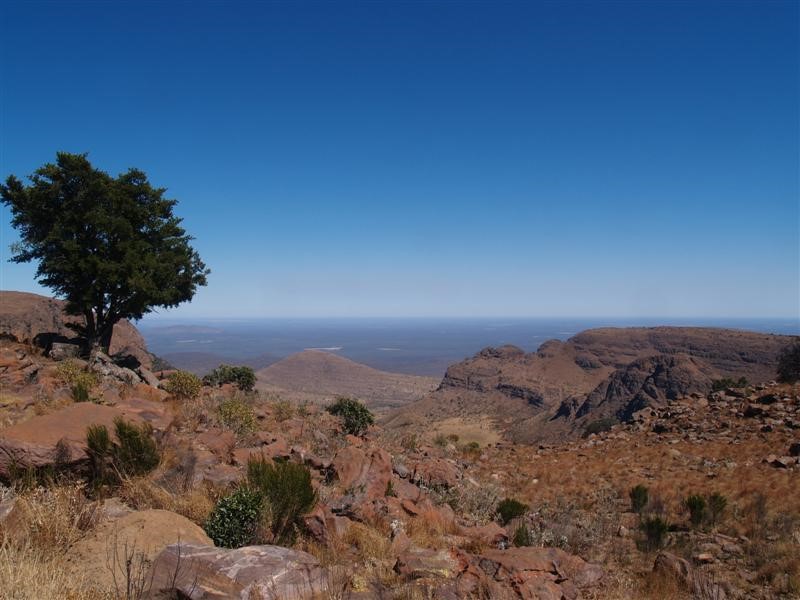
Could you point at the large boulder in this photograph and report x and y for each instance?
(59, 438)
(138, 537)
(363, 473)
(203, 572)
(39, 320)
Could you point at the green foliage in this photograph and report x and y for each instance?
(789, 363)
(136, 452)
(355, 415)
(288, 492)
(243, 377)
(639, 497)
(696, 505)
(110, 246)
(655, 531)
(238, 416)
(80, 392)
(183, 385)
(522, 536)
(719, 385)
(390, 493)
(716, 507)
(509, 509)
(598, 426)
(235, 520)
(133, 453)
(440, 440)
(79, 380)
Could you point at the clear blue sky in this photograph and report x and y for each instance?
(409, 159)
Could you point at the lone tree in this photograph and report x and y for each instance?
(110, 246)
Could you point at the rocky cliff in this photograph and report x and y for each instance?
(606, 373)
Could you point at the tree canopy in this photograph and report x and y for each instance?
(110, 246)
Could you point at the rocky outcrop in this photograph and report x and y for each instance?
(554, 392)
(203, 572)
(39, 320)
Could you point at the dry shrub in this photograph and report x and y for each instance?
(370, 543)
(26, 572)
(52, 519)
(190, 415)
(429, 527)
(477, 503)
(142, 493)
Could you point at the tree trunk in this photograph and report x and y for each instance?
(105, 338)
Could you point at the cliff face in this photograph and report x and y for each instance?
(39, 320)
(599, 373)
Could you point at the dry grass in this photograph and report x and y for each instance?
(27, 573)
(429, 528)
(142, 493)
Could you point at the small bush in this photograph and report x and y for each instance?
(696, 505)
(522, 536)
(238, 416)
(183, 385)
(509, 509)
(283, 410)
(440, 440)
(719, 385)
(80, 392)
(288, 491)
(243, 377)
(639, 497)
(472, 448)
(599, 426)
(235, 520)
(789, 364)
(356, 417)
(77, 378)
(655, 530)
(134, 453)
(716, 507)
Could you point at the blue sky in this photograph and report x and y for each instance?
(435, 159)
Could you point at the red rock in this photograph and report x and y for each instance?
(490, 534)
(324, 526)
(60, 436)
(362, 473)
(417, 562)
(219, 441)
(435, 472)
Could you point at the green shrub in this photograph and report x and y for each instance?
(599, 426)
(136, 452)
(719, 385)
(789, 363)
(509, 509)
(183, 385)
(472, 448)
(639, 497)
(80, 392)
(522, 536)
(390, 493)
(133, 453)
(716, 507)
(238, 416)
(696, 505)
(288, 492)
(655, 530)
(243, 377)
(235, 520)
(453, 437)
(440, 440)
(356, 417)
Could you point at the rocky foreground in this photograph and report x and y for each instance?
(696, 496)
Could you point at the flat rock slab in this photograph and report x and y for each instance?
(203, 572)
(61, 436)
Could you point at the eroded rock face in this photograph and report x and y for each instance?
(365, 474)
(39, 320)
(203, 572)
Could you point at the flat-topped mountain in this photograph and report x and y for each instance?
(606, 373)
(318, 375)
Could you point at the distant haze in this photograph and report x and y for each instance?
(413, 346)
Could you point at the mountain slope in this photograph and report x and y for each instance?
(318, 375)
(599, 373)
